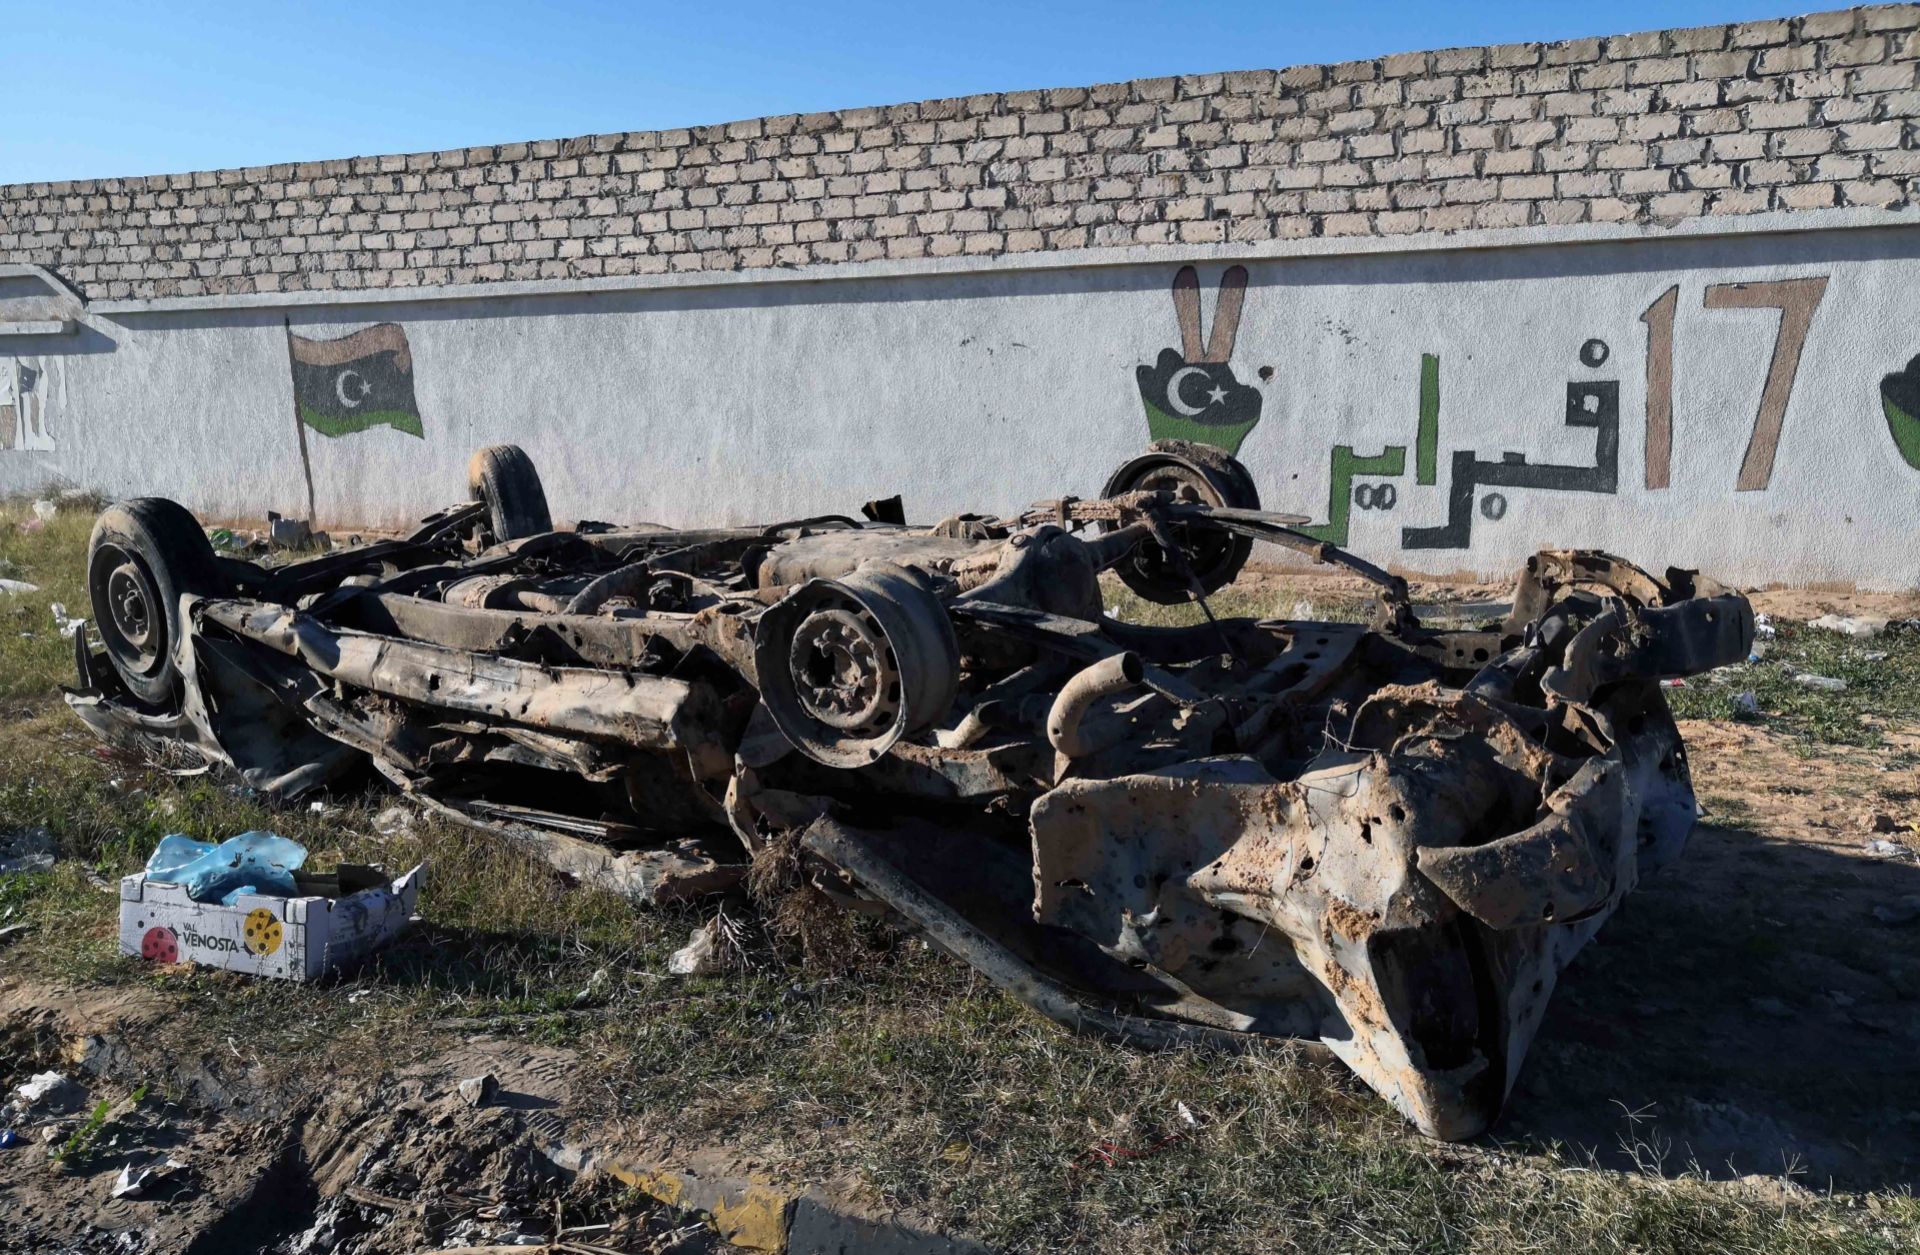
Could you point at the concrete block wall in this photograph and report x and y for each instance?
(1805, 113)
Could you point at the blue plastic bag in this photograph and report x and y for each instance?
(253, 862)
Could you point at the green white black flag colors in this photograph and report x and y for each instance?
(348, 385)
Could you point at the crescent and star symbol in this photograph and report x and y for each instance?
(1215, 394)
(340, 388)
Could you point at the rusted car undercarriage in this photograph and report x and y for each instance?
(1385, 838)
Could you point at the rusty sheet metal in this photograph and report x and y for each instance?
(648, 711)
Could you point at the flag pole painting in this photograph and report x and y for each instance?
(352, 384)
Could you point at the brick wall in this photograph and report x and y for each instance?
(1793, 114)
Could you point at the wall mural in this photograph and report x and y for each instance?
(31, 390)
(1900, 400)
(349, 385)
(1191, 394)
(360, 381)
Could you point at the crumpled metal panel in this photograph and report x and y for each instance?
(1408, 902)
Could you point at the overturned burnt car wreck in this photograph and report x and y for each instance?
(1384, 838)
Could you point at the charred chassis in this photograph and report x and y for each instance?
(1384, 839)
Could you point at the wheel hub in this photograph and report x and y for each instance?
(843, 670)
(131, 600)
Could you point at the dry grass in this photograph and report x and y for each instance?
(907, 1078)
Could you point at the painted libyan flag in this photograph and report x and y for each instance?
(1900, 399)
(348, 385)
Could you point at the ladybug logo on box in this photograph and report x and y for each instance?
(262, 932)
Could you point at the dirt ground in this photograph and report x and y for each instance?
(276, 1158)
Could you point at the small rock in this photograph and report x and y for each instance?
(478, 1091)
(1770, 1006)
(1898, 914)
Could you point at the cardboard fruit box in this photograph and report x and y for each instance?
(335, 919)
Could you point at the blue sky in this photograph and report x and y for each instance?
(113, 88)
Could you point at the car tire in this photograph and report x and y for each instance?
(143, 555)
(1218, 479)
(502, 477)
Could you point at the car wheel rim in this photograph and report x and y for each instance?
(128, 612)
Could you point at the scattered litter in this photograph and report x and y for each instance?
(8, 1139)
(133, 1182)
(45, 1089)
(249, 905)
(1763, 629)
(1899, 913)
(1824, 683)
(32, 525)
(1861, 628)
(63, 623)
(393, 819)
(701, 955)
(1673, 684)
(1303, 609)
(1746, 704)
(27, 850)
(258, 863)
(480, 1091)
(11, 931)
(596, 987)
(45, 510)
(18, 586)
(288, 533)
(1883, 848)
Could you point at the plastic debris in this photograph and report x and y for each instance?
(45, 1089)
(288, 533)
(1824, 683)
(701, 955)
(1861, 628)
(8, 1139)
(1763, 629)
(479, 1091)
(133, 1182)
(391, 820)
(1746, 703)
(45, 510)
(1883, 848)
(18, 586)
(28, 850)
(253, 862)
(63, 623)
